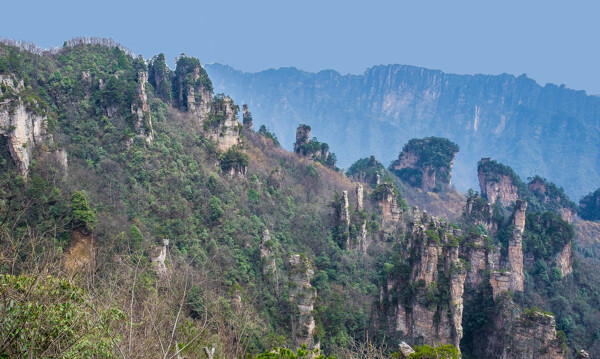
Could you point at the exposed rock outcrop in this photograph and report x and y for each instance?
(553, 198)
(193, 88)
(269, 266)
(302, 138)
(516, 334)
(426, 163)
(141, 110)
(246, 118)
(479, 212)
(387, 198)
(159, 256)
(317, 151)
(359, 197)
(497, 182)
(564, 260)
(421, 317)
(515, 247)
(22, 124)
(302, 296)
(222, 125)
(404, 350)
(582, 354)
(344, 219)
(367, 170)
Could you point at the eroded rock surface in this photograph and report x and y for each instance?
(302, 296)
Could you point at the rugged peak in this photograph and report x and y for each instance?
(515, 247)
(479, 212)
(302, 138)
(159, 76)
(222, 125)
(386, 195)
(422, 314)
(192, 87)
(367, 170)
(590, 206)
(246, 118)
(359, 197)
(426, 163)
(318, 151)
(551, 197)
(498, 182)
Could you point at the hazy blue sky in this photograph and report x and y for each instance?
(551, 41)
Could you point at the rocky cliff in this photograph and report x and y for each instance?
(552, 198)
(302, 295)
(222, 125)
(22, 122)
(522, 334)
(497, 182)
(426, 163)
(192, 88)
(141, 110)
(430, 296)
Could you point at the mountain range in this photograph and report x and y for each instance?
(550, 130)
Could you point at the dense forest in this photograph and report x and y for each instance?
(139, 219)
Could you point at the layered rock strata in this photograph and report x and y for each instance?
(22, 124)
(302, 296)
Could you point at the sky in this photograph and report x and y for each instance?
(550, 41)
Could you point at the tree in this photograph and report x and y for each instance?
(83, 217)
(447, 351)
(47, 317)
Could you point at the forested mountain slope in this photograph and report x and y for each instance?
(139, 218)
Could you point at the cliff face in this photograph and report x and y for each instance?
(553, 198)
(426, 163)
(141, 110)
(23, 127)
(496, 183)
(387, 200)
(515, 247)
(222, 125)
(528, 334)
(480, 212)
(425, 316)
(302, 296)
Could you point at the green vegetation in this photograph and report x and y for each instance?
(546, 196)
(189, 74)
(123, 195)
(447, 351)
(366, 170)
(160, 76)
(47, 317)
(263, 130)
(590, 206)
(82, 215)
(233, 159)
(433, 154)
(545, 234)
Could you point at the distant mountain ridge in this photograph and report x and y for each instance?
(551, 131)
